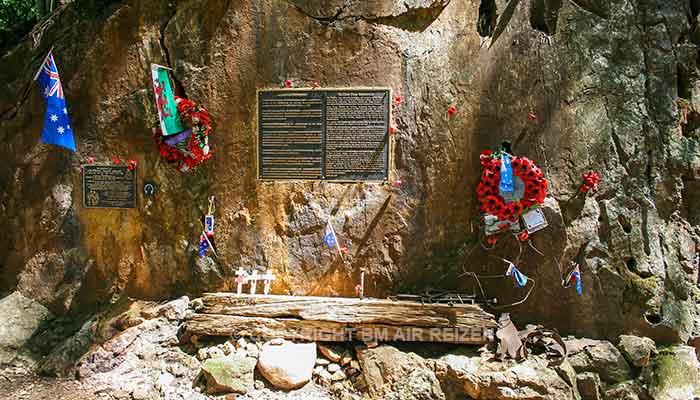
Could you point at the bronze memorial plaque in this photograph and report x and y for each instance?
(323, 134)
(108, 186)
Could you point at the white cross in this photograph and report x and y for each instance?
(268, 278)
(60, 130)
(253, 279)
(241, 280)
(54, 118)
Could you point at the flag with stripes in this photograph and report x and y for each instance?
(57, 126)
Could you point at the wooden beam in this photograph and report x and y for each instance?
(348, 310)
(325, 331)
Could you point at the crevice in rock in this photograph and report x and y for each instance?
(624, 223)
(653, 318)
(631, 264)
(595, 7)
(179, 88)
(544, 15)
(694, 8)
(645, 230)
(504, 20)
(323, 20)
(616, 141)
(488, 15)
(413, 19)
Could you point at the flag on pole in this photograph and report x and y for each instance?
(330, 238)
(57, 126)
(170, 122)
(519, 279)
(575, 276)
(203, 245)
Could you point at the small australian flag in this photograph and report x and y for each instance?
(57, 125)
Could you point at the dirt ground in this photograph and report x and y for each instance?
(18, 384)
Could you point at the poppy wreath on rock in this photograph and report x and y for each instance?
(193, 151)
(490, 200)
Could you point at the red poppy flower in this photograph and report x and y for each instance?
(523, 236)
(492, 240)
(451, 110)
(288, 83)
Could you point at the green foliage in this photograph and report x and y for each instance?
(16, 13)
(16, 19)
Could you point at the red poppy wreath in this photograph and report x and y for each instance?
(190, 148)
(534, 187)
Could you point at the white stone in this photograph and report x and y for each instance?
(338, 375)
(287, 365)
(333, 368)
(322, 361)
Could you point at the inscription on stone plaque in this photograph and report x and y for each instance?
(108, 186)
(323, 134)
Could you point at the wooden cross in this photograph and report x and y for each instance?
(268, 278)
(253, 279)
(241, 280)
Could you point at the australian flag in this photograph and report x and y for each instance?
(330, 238)
(57, 126)
(203, 245)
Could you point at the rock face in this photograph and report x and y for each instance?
(675, 374)
(231, 374)
(604, 359)
(637, 350)
(287, 365)
(611, 87)
(20, 319)
(483, 380)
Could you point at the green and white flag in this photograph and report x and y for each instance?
(170, 122)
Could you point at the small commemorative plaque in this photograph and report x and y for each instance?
(535, 220)
(109, 186)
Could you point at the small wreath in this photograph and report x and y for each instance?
(187, 154)
(490, 199)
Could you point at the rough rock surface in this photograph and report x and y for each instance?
(637, 350)
(481, 379)
(613, 86)
(675, 374)
(604, 359)
(231, 374)
(20, 319)
(385, 366)
(287, 365)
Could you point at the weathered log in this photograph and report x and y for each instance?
(326, 331)
(348, 310)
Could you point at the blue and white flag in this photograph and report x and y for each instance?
(57, 126)
(575, 276)
(506, 184)
(330, 238)
(519, 279)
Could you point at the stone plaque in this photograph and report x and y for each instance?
(108, 186)
(323, 134)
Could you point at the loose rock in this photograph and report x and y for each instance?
(287, 365)
(231, 374)
(637, 350)
(333, 353)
